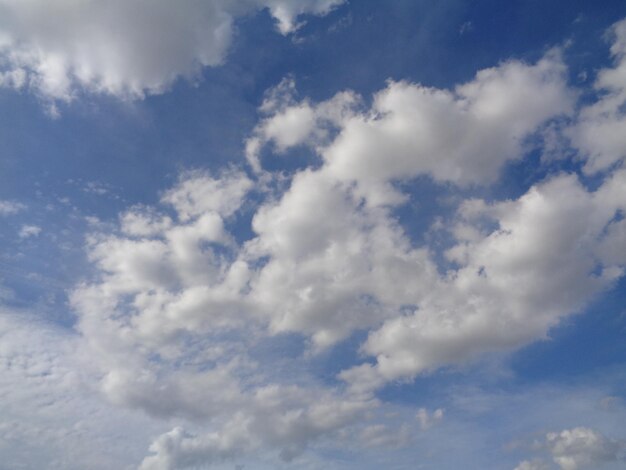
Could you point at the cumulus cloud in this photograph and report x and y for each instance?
(276, 417)
(124, 48)
(333, 266)
(10, 207)
(581, 448)
(600, 133)
(178, 302)
(463, 136)
(51, 414)
(577, 448)
(28, 231)
(171, 320)
(427, 419)
(542, 260)
(532, 465)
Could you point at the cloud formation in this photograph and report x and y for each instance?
(580, 448)
(600, 133)
(181, 301)
(124, 48)
(52, 414)
(10, 207)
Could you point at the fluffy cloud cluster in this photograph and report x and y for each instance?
(172, 320)
(600, 133)
(547, 254)
(124, 48)
(464, 136)
(51, 415)
(577, 449)
(180, 302)
(10, 207)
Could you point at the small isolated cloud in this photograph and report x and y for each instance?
(428, 420)
(10, 207)
(466, 27)
(28, 231)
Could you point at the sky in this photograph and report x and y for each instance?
(312, 234)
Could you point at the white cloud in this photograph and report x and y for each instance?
(381, 435)
(286, 12)
(124, 48)
(333, 266)
(51, 414)
(600, 133)
(542, 260)
(286, 418)
(170, 321)
(10, 207)
(178, 302)
(463, 136)
(581, 448)
(199, 193)
(532, 465)
(28, 231)
(289, 123)
(427, 420)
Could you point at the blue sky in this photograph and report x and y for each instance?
(317, 234)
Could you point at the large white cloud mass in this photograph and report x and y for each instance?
(181, 305)
(464, 136)
(126, 48)
(207, 310)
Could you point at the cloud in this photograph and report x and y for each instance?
(427, 419)
(600, 133)
(52, 415)
(286, 12)
(171, 320)
(179, 304)
(333, 265)
(28, 231)
(10, 207)
(580, 448)
(532, 465)
(541, 259)
(463, 136)
(181, 297)
(275, 417)
(124, 48)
